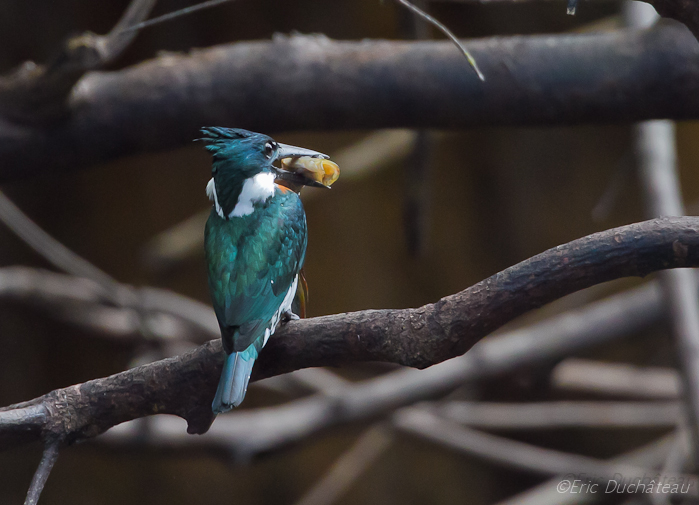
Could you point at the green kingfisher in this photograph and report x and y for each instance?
(255, 242)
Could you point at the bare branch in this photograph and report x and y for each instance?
(519, 455)
(616, 379)
(684, 11)
(562, 414)
(348, 468)
(51, 249)
(299, 82)
(59, 290)
(38, 94)
(118, 39)
(648, 456)
(170, 15)
(184, 386)
(431, 20)
(48, 459)
(655, 141)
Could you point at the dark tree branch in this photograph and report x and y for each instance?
(51, 249)
(314, 83)
(420, 337)
(38, 94)
(649, 456)
(616, 379)
(48, 459)
(520, 455)
(684, 11)
(59, 290)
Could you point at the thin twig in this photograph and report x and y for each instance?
(59, 291)
(42, 473)
(616, 379)
(114, 43)
(562, 414)
(674, 462)
(655, 144)
(349, 467)
(173, 15)
(447, 32)
(515, 454)
(51, 249)
(549, 492)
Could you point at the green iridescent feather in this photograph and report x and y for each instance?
(253, 261)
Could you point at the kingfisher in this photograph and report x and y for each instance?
(255, 242)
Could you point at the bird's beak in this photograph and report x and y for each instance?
(287, 151)
(299, 175)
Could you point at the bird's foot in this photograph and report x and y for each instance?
(289, 316)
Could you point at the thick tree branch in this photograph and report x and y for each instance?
(415, 337)
(38, 94)
(302, 82)
(684, 11)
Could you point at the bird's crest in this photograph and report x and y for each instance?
(216, 137)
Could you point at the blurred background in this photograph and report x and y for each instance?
(415, 216)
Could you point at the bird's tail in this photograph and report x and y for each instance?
(234, 380)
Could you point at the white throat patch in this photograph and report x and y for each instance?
(211, 193)
(255, 189)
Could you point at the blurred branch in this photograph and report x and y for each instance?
(656, 151)
(348, 468)
(39, 94)
(684, 11)
(650, 456)
(674, 462)
(655, 143)
(132, 27)
(60, 291)
(113, 44)
(420, 337)
(562, 414)
(520, 455)
(498, 2)
(51, 249)
(616, 379)
(311, 82)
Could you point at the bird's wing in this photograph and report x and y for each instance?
(250, 274)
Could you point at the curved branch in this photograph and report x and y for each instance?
(684, 11)
(38, 94)
(419, 337)
(302, 82)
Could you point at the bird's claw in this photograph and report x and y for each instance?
(289, 316)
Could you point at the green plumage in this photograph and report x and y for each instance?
(253, 261)
(255, 243)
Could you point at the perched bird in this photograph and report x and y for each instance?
(255, 243)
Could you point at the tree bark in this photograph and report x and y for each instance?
(419, 337)
(311, 82)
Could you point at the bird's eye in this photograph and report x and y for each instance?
(269, 150)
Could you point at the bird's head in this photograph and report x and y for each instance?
(240, 156)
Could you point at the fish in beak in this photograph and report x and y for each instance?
(304, 167)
